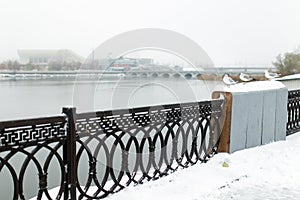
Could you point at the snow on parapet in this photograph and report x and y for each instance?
(289, 77)
(254, 86)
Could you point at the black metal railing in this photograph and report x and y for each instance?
(29, 147)
(293, 114)
(137, 145)
(100, 153)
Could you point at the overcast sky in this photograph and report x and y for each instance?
(232, 32)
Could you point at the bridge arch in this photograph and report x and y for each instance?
(154, 75)
(176, 75)
(166, 75)
(144, 75)
(188, 76)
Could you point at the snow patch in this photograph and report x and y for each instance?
(266, 172)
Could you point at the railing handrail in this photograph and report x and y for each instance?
(32, 121)
(131, 110)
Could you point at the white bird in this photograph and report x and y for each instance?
(245, 77)
(228, 80)
(270, 75)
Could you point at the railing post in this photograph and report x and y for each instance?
(224, 121)
(70, 154)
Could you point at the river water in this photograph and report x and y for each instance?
(32, 98)
(39, 98)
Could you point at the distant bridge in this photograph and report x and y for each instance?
(99, 73)
(237, 70)
(188, 74)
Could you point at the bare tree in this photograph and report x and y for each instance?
(289, 63)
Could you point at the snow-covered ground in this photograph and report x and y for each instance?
(267, 172)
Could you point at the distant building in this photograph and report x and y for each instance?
(145, 61)
(42, 57)
(124, 64)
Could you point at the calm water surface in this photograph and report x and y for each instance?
(30, 98)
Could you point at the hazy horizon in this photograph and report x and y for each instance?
(250, 33)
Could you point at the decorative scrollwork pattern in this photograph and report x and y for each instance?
(142, 144)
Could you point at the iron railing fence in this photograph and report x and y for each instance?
(293, 112)
(27, 150)
(98, 153)
(126, 147)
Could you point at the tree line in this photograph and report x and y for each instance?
(14, 65)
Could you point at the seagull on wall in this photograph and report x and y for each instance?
(245, 77)
(270, 75)
(228, 80)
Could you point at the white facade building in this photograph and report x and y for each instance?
(42, 57)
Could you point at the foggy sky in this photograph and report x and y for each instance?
(232, 32)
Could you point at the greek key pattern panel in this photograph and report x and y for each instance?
(19, 132)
